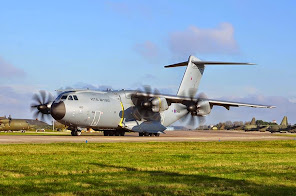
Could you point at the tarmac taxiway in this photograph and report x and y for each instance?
(170, 136)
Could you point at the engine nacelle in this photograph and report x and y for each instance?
(203, 108)
(159, 104)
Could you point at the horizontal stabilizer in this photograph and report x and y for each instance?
(207, 63)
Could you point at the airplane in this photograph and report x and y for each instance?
(254, 127)
(9, 124)
(145, 112)
(283, 127)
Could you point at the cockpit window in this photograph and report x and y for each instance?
(70, 97)
(64, 97)
(75, 97)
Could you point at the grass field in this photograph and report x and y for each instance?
(34, 133)
(187, 168)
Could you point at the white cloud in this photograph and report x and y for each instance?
(15, 101)
(8, 70)
(194, 40)
(293, 100)
(148, 50)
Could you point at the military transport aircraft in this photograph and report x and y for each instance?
(9, 124)
(283, 127)
(255, 127)
(146, 112)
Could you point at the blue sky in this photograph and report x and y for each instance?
(125, 44)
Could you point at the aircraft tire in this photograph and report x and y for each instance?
(156, 134)
(116, 133)
(150, 134)
(75, 133)
(141, 134)
(122, 133)
(146, 134)
(106, 133)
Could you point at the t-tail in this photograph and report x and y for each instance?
(194, 72)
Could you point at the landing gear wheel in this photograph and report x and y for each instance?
(146, 134)
(141, 134)
(156, 134)
(75, 133)
(106, 133)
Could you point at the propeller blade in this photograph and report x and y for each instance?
(191, 93)
(37, 98)
(40, 106)
(36, 114)
(201, 120)
(43, 95)
(192, 121)
(202, 95)
(148, 89)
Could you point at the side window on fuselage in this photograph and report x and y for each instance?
(64, 97)
(70, 97)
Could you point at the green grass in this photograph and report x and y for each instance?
(33, 133)
(156, 168)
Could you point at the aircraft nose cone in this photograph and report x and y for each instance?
(58, 110)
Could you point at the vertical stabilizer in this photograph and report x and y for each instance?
(253, 122)
(191, 78)
(194, 72)
(285, 121)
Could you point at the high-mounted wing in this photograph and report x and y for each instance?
(212, 102)
(228, 104)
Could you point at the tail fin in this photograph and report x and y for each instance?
(285, 121)
(253, 122)
(194, 72)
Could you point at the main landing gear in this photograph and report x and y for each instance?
(148, 134)
(75, 132)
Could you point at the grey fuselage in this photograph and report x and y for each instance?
(110, 110)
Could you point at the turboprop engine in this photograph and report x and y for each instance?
(200, 108)
(159, 104)
(196, 110)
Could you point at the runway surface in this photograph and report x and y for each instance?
(177, 136)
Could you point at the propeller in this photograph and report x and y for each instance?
(41, 104)
(143, 105)
(191, 109)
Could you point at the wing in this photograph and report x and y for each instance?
(212, 102)
(228, 104)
